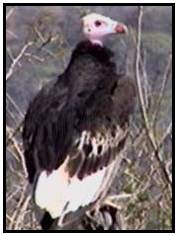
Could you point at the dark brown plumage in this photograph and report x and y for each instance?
(88, 96)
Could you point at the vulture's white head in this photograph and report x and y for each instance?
(96, 27)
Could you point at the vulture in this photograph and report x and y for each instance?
(76, 127)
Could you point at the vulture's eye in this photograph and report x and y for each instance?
(97, 23)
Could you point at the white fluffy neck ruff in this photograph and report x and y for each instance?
(96, 42)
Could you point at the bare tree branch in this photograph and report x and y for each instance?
(15, 105)
(11, 34)
(148, 128)
(166, 134)
(17, 150)
(15, 213)
(12, 134)
(10, 12)
(161, 94)
(21, 215)
(17, 59)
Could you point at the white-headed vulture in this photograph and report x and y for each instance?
(76, 127)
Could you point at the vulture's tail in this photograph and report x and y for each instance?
(46, 222)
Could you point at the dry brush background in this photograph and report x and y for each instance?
(39, 42)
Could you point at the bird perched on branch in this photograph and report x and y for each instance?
(76, 127)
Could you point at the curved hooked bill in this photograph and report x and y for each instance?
(121, 28)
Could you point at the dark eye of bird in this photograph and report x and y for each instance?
(97, 23)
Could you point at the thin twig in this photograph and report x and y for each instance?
(161, 94)
(146, 85)
(17, 59)
(34, 57)
(164, 137)
(15, 214)
(17, 149)
(15, 105)
(168, 165)
(13, 133)
(137, 71)
(11, 33)
(10, 53)
(44, 42)
(10, 196)
(10, 12)
(22, 212)
(111, 204)
(39, 34)
(118, 197)
(166, 134)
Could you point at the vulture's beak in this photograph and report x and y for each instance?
(121, 29)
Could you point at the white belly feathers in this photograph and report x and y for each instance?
(59, 195)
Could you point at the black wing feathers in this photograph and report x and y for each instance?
(123, 95)
(124, 99)
(43, 129)
(87, 96)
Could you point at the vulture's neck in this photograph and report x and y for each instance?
(90, 70)
(103, 54)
